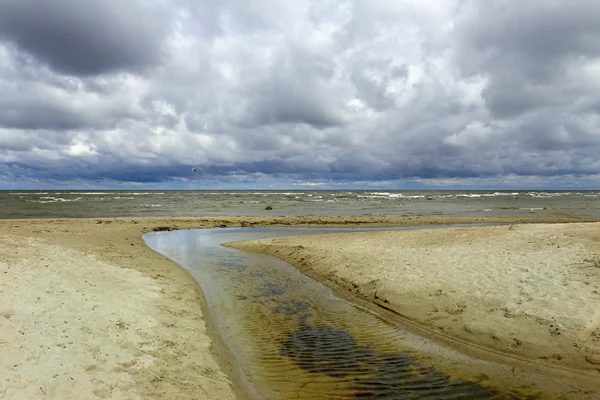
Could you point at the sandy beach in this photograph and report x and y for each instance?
(87, 310)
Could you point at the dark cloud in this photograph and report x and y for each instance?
(11, 140)
(85, 38)
(530, 51)
(34, 107)
(291, 105)
(537, 36)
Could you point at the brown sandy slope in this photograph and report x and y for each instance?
(525, 294)
(88, 311)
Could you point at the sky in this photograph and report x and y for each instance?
(316, 94)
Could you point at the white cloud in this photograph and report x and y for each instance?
(306, 91)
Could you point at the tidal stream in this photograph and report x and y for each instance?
(292, 338)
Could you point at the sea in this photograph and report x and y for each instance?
(124, 203)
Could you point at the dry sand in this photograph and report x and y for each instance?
(88, 311)
(528, 294)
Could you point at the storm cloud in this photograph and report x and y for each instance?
(446, 93)
(85, 38)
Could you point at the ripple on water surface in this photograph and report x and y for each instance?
(298, 343)
(293, 339)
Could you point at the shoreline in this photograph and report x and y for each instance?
(148, 304)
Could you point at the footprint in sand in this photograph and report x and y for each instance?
(555, 329)
(456, 309)
(596, 335)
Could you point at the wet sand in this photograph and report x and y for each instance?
(88, 311)
(526, 295)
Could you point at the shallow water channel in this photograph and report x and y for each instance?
(292, 338)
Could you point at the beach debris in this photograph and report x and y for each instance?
(163, 228)
(268, 208)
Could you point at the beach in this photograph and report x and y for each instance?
(526, 295)
(87, 310)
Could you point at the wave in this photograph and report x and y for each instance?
(264, 194)
(50, 199)
(89, 193)
(114, 192)
(378, 195)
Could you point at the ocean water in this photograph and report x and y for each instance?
(69, 204)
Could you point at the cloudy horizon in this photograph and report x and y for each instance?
(299, 94)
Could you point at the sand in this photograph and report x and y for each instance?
(88, 311)
(527, 293)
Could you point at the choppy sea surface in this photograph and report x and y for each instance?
(70, 204)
